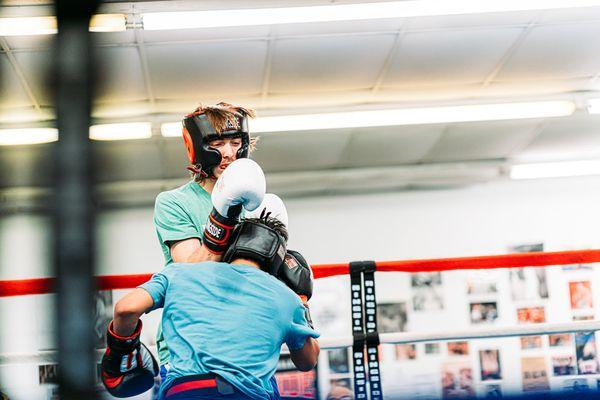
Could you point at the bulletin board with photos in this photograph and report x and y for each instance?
(295, 384)
(487, 368)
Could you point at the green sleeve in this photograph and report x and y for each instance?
(172, 222)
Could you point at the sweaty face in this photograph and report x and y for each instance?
(228, 147)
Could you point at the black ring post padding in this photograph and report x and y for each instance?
(372, 335)
(358, 331)
(72, 204)
(372, 338)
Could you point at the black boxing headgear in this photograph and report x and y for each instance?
(198, 132)
(259, 243)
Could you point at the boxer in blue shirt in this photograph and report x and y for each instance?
(224, 322)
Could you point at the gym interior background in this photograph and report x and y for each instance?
(452, 131)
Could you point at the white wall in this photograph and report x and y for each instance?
(478, 220)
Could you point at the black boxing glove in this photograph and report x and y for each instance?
(296, 273)
(128, 367)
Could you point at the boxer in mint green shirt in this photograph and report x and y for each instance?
(180, 214)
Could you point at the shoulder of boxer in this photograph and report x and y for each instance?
(296, 273)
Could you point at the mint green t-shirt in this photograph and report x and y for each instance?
(179, 214)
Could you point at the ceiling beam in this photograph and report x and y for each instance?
(264, 91)
(20, 74)
(141, 48)
(388, 61)
(508, 55)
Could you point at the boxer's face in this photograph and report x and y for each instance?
(228, 147)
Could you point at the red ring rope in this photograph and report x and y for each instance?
(107, 282)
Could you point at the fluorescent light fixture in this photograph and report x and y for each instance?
(108, 23)
(347, 12)
(25, 26)
(171, 129)
(126, 131)
(9, 137)
(593, 106)
(413, 116)
(555, 169)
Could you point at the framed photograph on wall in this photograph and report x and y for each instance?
(483, 313)
(391, 317)
(533, 374)
(580, 295)
(427, 291)
(489, 361)
(531, 315)
(457, 380)
(586, 352)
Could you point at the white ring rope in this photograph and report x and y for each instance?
(49, 356)
(484, 333)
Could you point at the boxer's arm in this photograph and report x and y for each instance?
(191, 251)
(306, 358)
(129, 309)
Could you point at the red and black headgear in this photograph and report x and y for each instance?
(198, 132)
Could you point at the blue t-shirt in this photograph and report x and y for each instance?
(230, 320)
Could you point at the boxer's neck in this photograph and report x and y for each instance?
(245, 261)
(208, 185)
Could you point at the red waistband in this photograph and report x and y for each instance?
(192, 385)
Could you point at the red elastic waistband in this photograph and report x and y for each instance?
(191, 385)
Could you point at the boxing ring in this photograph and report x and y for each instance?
(365, 337)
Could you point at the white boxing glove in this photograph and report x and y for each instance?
(272, 206)
(242, 184)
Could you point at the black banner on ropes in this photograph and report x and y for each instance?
(364, 330)
(358, 347)
(371, 330)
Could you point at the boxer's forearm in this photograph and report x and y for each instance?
(305, 358)
(129, 309)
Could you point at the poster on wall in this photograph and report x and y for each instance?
(391, 317)
(432, 348)
(563, 365)
(458, 348)
(481, 282)
(427, 291)
(489, 361)
(531, 342)
(295, 384)
(528, 283)
(483, 312)
(560, 339)
(48, 374)
(587, 355)
(405, 352)
(577, 385)
(580, 295)
(457, 380)
(492, 392)
(531, 315)
(534, 375)
(338, 361)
